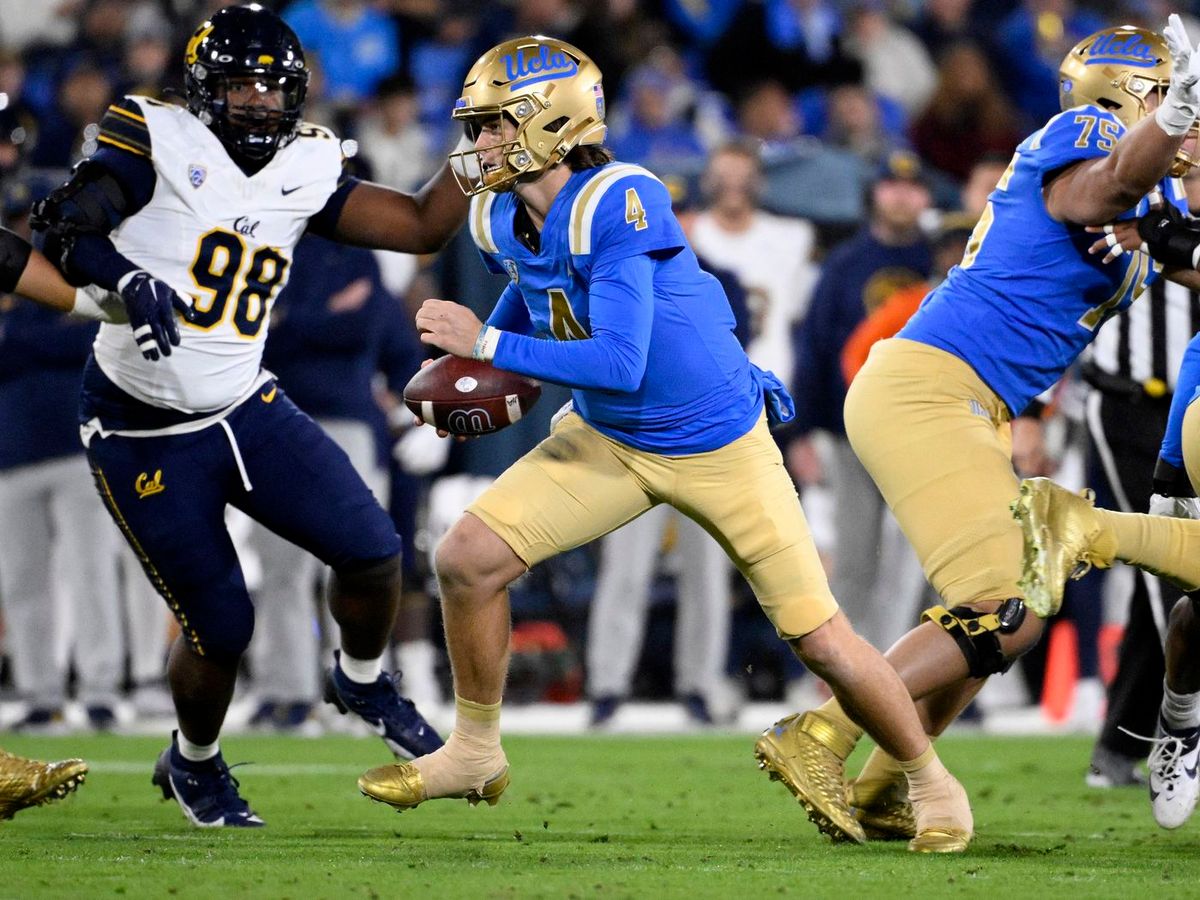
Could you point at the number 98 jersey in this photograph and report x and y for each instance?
(1027, 297)
(215, 234)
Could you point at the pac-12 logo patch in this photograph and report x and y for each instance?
(510, 266)
(196, 175)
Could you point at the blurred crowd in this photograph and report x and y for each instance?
(829, 159)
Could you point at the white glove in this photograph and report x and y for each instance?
(1175, 507)
(95, 304)
(1178, 110)
(420, 451)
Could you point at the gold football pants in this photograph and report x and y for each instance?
(937, 442)
(578, 485)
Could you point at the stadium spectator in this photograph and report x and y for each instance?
(356, 46)
(772, 256)
(617, 623)
(869, 126)
(940, 23)
(58, 549)
(1030, 44)
(796, 42)
(895, 64)
(967, 118)
(64, 134)
(889, 252)
(767, 113)
(980, 182)
(390, 136)
(656, 131)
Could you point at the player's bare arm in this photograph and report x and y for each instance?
(1095, 191)
(24, 270)
(27, 272)
(387, 219)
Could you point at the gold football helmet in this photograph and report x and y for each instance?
(552, 93)
(1117, 69)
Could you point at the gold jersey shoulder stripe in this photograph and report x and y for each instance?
(587, 201)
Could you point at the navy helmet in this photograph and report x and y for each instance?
(246, 45)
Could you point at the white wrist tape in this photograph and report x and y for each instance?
(96, 304)
(486, 343)
(1174, 116)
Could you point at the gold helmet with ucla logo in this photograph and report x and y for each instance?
(551, 92)
(1118, 69)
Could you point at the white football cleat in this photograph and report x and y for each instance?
(1174, 779)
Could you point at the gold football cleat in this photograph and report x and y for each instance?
(1060, 530)
(29, 782)
(944, 823)
(400, 785)
(808, 754)
(941, 840)
(883, 809)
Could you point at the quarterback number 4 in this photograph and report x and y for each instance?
(217, 270)
(635, 213)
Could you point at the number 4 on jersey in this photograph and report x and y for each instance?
(635, 213)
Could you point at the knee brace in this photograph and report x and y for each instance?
(368, 578)
(978, 634)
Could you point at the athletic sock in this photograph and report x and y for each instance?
(472, 754)
(197, 752)
(360, 671)
(1180, 711)
(880, 773)
(1162, 545)
(938, 800)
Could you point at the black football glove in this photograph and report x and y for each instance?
(152, 305)
(1170, 236)
(1173, 493)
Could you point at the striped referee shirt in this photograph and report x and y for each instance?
(1145, 344)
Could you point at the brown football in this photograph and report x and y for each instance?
(463, 396)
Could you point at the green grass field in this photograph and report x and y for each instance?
(585, 817)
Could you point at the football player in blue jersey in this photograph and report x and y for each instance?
(666, 409)
(1172, 238)
(179, 418)
(929, 414)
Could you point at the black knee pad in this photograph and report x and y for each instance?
(978, 634)
(374, 576)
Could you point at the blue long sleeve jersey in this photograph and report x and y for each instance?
(1027, 297)
(1187, 388)
(640, 333)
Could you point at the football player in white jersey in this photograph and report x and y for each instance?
(208, 201)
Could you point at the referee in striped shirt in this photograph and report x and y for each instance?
(1132, 369)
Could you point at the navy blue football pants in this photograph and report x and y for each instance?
(168, 496)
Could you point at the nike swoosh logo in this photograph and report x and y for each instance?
(269, 395)
(286, 191)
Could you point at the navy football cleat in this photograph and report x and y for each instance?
(205, 791)
(392, 717)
